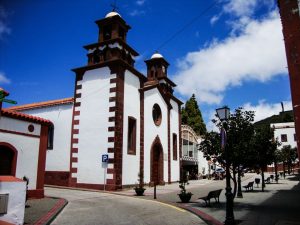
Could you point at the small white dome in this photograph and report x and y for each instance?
(156, 56)
(111, 14)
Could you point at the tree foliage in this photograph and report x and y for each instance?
(239, 129)
(191, 115)
(287, 155)
(264, 148)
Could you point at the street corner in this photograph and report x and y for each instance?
(43, 211)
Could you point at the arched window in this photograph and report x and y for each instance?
(50, 137)
(131, 138)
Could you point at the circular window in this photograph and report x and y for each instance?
(30, 128)
(156, 114)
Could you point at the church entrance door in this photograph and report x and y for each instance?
(8, 158)
(157, 170)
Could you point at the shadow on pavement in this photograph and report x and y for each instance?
(281, 208)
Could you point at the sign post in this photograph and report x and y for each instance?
(104, 166)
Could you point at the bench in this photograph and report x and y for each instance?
(249, 186)
(212, 194)
(267, 181)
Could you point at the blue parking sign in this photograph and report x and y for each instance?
(105, 158)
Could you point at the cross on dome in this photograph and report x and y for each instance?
(113, 12)
(114, 6)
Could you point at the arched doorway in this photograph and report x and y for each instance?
(8, 159)
(157, 163)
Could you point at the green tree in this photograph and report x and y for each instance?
(264, 149)
(288, 156)
(191, 115)
(239, 129)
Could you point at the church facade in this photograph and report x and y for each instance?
(115, 110)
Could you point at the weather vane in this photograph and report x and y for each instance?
(114, 6)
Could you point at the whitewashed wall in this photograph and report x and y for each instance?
(202, 162)
(131, 108)
(93, 125)
(27, 147)
(151, 131)
(58, 159)
(16, 200)
(285, 128)
(174, 123)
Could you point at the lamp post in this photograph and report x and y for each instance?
(223, 114)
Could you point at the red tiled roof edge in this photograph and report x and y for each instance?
(42, 104)
(25, 117)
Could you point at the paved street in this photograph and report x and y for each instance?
(278, 205)
(89, 208)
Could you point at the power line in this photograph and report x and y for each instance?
(188, 24)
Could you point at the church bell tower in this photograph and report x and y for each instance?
(98, 112)
(111, 41)
(157, 73)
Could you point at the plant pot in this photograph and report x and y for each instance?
(139, 191)
(257, 181)
(185, 198)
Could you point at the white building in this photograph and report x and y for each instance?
(118, 111)
(285, 133)
(23, 144)
(192, 159)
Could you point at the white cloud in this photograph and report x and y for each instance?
(257, 54)
(214, 19)
(4, 79)
(240, 7)
(4, 29)
(140, 2)
(210, 126)
(264, 109)
(136, 12)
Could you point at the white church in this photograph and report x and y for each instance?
(115, 110)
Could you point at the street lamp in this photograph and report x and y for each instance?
(223, 114)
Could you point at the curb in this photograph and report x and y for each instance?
(53, 213)
(204, 216)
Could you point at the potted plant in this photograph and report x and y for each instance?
(139, 188)
(184, 196)
(257, 181)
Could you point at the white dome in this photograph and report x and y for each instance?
(111, 14)
(156, 56)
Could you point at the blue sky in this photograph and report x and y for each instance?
(233, 54)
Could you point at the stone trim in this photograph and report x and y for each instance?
(19, 133)
(59, 178)
(75, 130)
(40, 180)
(115, 129)
(142, 102)
(179, 143)
(169, 147)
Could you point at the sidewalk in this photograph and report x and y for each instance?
(278, 205)
(43, 211)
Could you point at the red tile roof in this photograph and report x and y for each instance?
(42, 104)
(25, 117)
